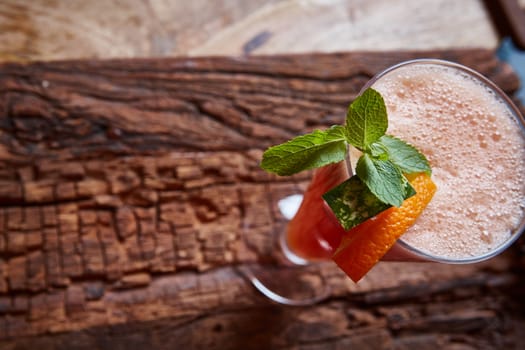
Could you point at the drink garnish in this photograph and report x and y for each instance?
(363, 246)
(380, 180)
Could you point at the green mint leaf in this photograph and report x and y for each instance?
(309, 151)
(352, 202)
(366, 119)
(377, 150)
(383, 178)
(405, 156)
(409, 190)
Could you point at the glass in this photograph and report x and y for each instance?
(313, 233)
(404, 250)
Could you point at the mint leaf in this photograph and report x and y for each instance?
(405, 156)
(366, 120)
(409, 190)
(352, 202)
(377, 150)
(383, 178)
(309, 151)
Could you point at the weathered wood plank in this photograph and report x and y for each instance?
(130, 192)
(44, 30)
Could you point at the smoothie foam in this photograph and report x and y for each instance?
(476, 148)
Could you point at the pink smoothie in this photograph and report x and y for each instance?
(476, 146)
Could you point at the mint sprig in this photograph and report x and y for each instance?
(381, 169)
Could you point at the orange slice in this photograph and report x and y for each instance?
(364, 245)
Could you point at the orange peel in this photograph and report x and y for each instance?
(363, 246)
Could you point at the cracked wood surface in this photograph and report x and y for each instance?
(130, 193)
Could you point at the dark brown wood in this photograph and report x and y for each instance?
(130, 196)
(509, 18)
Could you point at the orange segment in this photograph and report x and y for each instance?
(364, 245)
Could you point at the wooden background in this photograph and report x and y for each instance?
(123, 225)
(60, 29)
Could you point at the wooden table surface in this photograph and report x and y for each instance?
(123, 226)
(50, 30)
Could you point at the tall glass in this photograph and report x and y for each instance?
(474, 137)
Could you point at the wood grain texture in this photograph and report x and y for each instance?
(130, 194)
(62, 29)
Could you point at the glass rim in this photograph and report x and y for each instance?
(516, 233)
